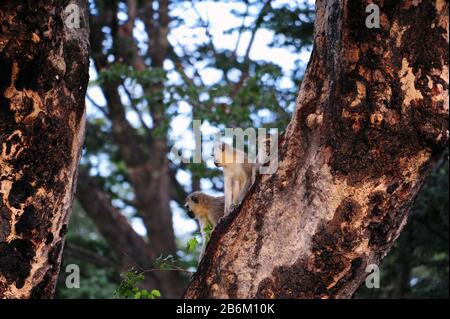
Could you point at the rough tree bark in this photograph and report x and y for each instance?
(43, 79)
(370, 122)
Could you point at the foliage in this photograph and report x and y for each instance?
(207, 231)
(95, 281)
(193, 242)
(165, 263)
(128, 287)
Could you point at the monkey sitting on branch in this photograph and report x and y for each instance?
(239, 174)
(207, 210)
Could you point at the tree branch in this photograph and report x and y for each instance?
(127, 245)
(366, 131)
(97, 106)
(266, 7)
(88, 256)
(133, 105)
(111, 223)
(242, 28)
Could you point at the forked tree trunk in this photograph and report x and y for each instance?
(370, 122)
(43, 77)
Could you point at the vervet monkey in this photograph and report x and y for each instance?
(207, 210)
(238, 172)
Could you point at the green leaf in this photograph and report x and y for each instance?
(207, 230)
(191, 245)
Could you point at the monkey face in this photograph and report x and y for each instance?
(190, 213)
(220, 151)
(190, 204)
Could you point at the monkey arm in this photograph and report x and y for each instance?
(228, 194)
(238, 184)
(245, 187)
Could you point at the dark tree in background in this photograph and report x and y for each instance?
(145, 73)
(44, 64)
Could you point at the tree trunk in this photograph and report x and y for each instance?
(43, 78)
(146, 160)
(371, 120)
(130, 248)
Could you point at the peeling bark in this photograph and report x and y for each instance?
(43, 80)
(370, 122)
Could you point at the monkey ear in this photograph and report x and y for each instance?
(194, 199)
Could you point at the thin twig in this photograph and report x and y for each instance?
(256, 27)
(142, 270)
(135, 108)
(171, 269)
(241, 29)
(97, 106)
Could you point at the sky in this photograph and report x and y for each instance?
(220, 19)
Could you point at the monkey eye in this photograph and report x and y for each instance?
(194, 199)
(223, 147)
